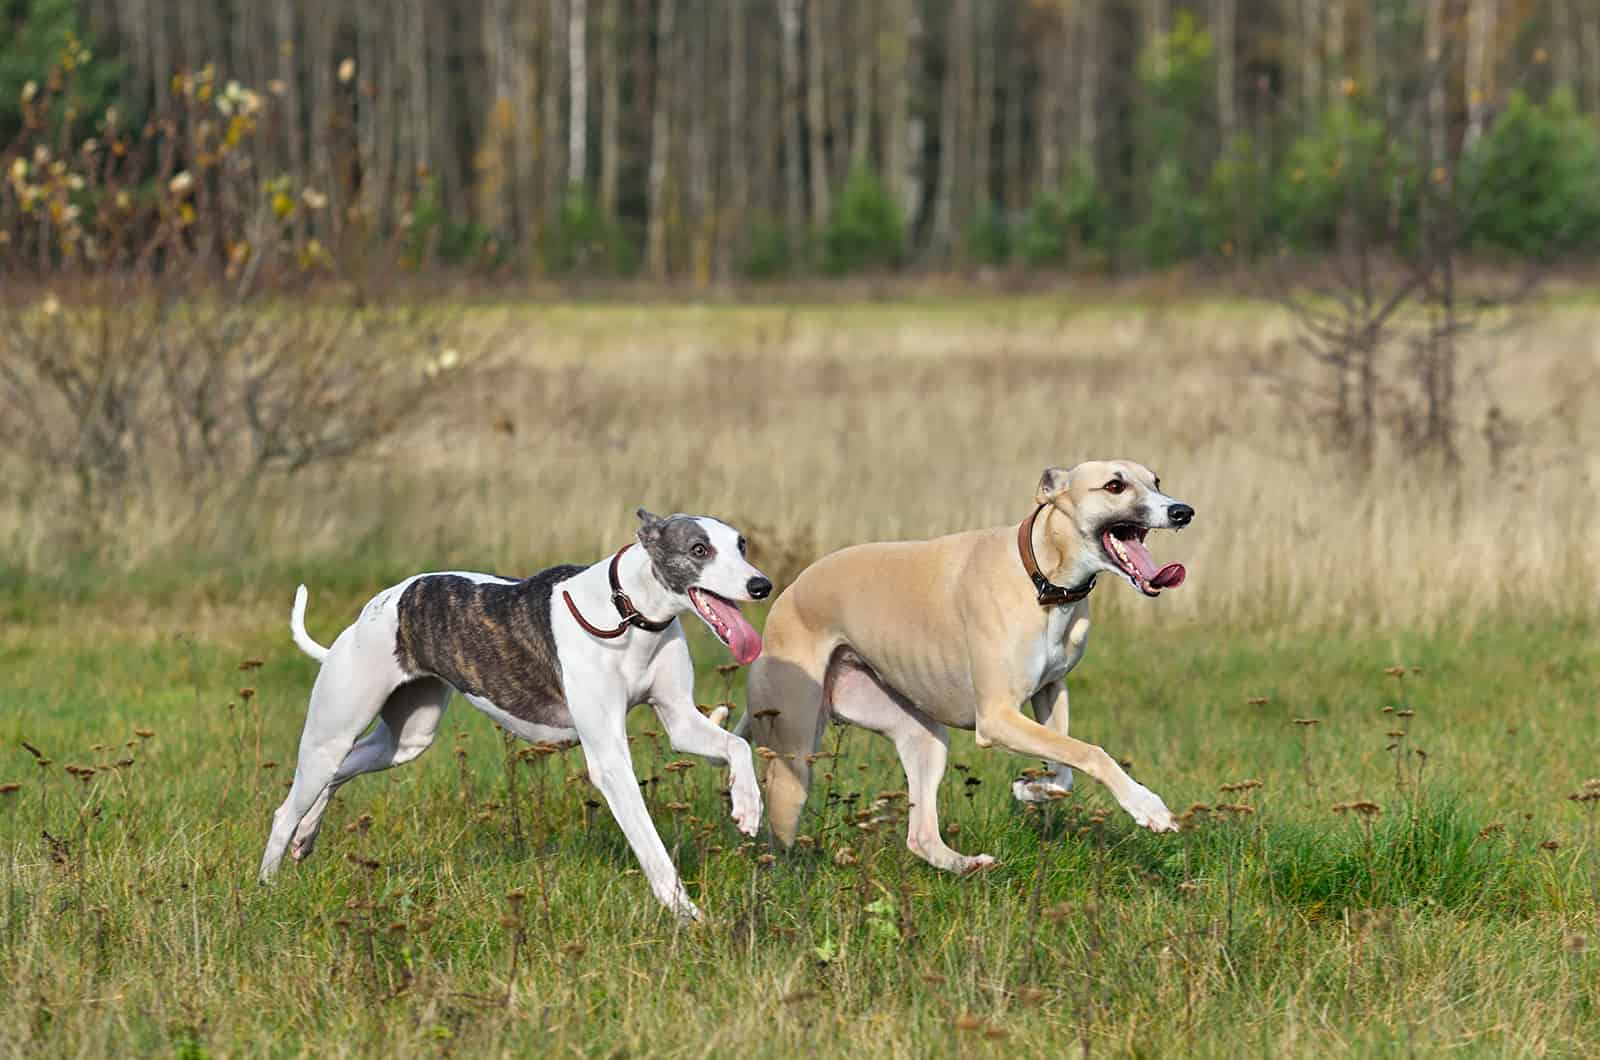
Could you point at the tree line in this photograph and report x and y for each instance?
(711, 139)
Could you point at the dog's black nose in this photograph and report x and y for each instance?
(759, 587)
(1179, 514)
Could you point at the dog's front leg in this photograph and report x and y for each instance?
(1001, 723)
(1050, 709)
(602, 730)
(672, 696)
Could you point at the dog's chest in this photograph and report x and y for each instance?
(488, 640)
(1061, 647)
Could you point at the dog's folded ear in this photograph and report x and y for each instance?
(1052, 483)
(649, 526)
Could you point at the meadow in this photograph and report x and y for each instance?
(1374, 699)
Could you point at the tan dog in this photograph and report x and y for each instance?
(906, 638)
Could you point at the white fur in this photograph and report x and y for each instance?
(360, 680)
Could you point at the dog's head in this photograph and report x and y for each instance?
(1111, 505)
(700, 561)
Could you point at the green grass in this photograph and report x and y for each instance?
(132, 922)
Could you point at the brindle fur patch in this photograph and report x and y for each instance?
(491, 640)
(670, 542)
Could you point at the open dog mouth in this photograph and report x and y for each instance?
(728, 623)
(1124, 543)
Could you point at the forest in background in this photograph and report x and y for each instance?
(717, 139)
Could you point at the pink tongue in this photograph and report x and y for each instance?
(1165, 578)
(743, 640)
(1169, 576)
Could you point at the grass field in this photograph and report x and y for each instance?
(477, 903)
(133, 922)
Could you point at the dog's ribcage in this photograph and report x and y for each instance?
(488, 639)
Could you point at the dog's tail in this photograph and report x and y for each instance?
(297, 626)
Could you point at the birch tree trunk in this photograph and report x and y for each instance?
(1369, 49)
(553, 163)
(1157, 18)
(1224, 28)
(817, 112)
(1013, 178)
(735, 151)
(443, 48)
(901, 72)
(1589, 29)
(1056, 48)
(866, 33)
(660, 143)
(293, 148)
(1335, 50)
(1311, 57)
(953, 103)
(522, 118)
(794, 125)
(322, 105)
(1088, 102)
(1480, 71)
(766, 195)
(983, 26)
(610, 110)
(1433, 49)
(1566, 45)
(694, 60)
(578, 110)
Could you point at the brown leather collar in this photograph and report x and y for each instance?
(619, 599)
(1050, 594)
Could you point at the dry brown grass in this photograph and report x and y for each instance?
(815, 427)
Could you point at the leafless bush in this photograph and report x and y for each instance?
(148, 357)
(1381, 368)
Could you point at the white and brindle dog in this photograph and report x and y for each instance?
(558, 657)
(906, 638)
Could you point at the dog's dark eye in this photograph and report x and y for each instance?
(699, 551)
(1114, 486)
(741, 546)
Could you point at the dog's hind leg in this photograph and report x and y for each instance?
(787, 715)
(1050, 709)
(351, 688)
(858, 696)
(406, 728)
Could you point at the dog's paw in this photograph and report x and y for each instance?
(747, 807)
(1044, 789)
(301, 849)
(975, 864)
(718, 716)
(1148, 811)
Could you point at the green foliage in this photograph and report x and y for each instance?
(1532, 182)
(768, 253)
(586, 241)
(41, 39)
(1175, 126)
(1177, 81)
(866, 230)
(988, 237)
(1237, 196)
(1067, 225)
(1177, 223)
(1344, 167)
(435, 236)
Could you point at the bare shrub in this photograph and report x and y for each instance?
(147, 357)
(1379, 366)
